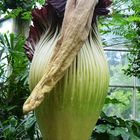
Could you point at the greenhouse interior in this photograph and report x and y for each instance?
(70, 70)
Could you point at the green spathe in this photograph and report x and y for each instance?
(68, 74)
(71, 109)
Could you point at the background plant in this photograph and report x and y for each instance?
(124, 22)
(122, 26)
(18, 7)
(14, 89)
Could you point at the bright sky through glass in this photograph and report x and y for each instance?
(6, 26)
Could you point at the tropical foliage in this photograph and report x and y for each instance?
(122, 26)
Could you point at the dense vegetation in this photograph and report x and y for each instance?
(115, 121)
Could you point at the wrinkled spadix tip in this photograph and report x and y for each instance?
(28, 106)
(26, 109)
(33, 101)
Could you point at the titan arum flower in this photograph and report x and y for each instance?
(68, 75)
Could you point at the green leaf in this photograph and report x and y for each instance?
(120, 131)
(14, 13)
(102, 128)
(110, 100)
(41, 1)
(13, 121)
(134, 137)
(12, 40)
(26, 15)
